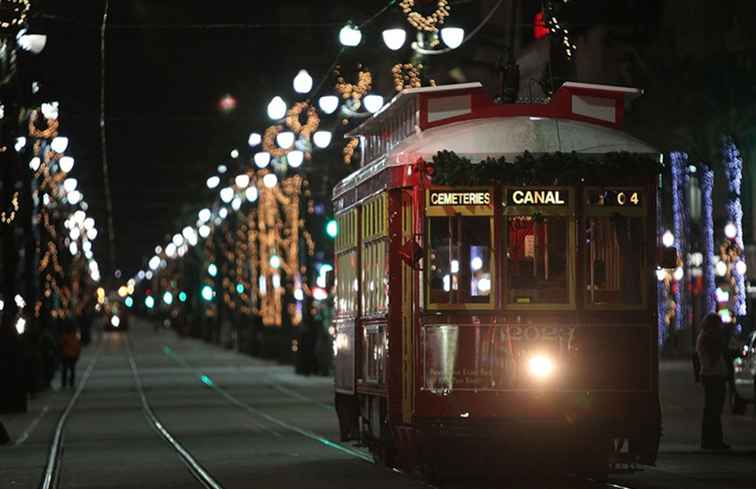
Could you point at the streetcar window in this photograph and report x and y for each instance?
(537, 259)
(614, 258)
(460, 258)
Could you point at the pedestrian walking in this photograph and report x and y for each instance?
(709, 346)
(71, 350)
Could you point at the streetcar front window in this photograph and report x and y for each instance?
(460, 259)
(537, 259)
(615, 261)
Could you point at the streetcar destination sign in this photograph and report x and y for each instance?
(538, 197)
(438, 197)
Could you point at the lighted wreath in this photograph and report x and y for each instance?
(293, 119)
(408, 75)
(48, 133)
(427, 23)
(355, 91)
(269, 142)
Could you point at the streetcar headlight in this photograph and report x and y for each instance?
(540, 366)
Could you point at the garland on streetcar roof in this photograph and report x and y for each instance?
(543, 169)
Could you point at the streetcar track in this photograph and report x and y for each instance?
(205, 379)
(51, 475)
(195, 468)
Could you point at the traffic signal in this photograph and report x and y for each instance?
(332, 228)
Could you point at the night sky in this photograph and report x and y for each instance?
(168, 65)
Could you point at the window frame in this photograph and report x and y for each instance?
(374, 247)
(567, 211)
(347, 243)
(640, 211)
(461, 211)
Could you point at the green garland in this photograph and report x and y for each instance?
(542, 169)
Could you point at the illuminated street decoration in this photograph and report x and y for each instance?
(707, 186)
(427, 23)
(734, 175)
(679, 163)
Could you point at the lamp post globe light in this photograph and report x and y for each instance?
(453, 37)
(302, 82)
(394, 38)
(277, 108)
(328, 103)
(350, 36)
(322, 139)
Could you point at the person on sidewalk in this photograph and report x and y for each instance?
(70, 354)
(714, 378)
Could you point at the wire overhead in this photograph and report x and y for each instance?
(104, 142)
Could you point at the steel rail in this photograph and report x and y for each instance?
(51, 475)
(199, 472)
(205, 379)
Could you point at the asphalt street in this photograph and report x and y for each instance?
(162, 411)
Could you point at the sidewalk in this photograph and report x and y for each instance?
(36, 424)
(682, 406)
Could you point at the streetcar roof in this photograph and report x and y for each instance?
(419, 122)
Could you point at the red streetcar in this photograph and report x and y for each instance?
(495, 286)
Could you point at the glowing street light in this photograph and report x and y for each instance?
(373, 103)
(254, 139)
(394, 38)
(205, 215)
(234, 153)
(262, 159)
(251, 194)
(730, 230)
(213, 182)
(322, 139)
(227, 194)
(74, 197)
(242, 180)
(270, 180)
(453, 36)
(66, 164)
(328, 103)
(350, 36)
(285, 139)
(59, 144)
(69, 184)
(295, 158)
(34, 43)
(302, 82)
(277, 108)
(668, 239)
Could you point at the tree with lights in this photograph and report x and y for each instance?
(263, 265)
